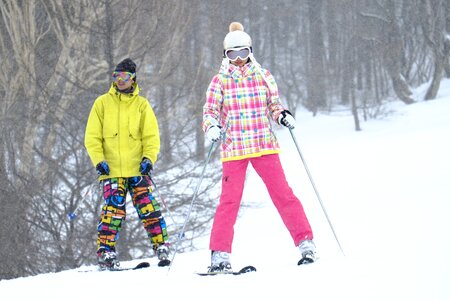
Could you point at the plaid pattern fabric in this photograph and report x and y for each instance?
(242, 101)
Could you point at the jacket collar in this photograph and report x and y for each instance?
(239, 72)
(124, 96)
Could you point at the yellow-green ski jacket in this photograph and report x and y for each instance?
(122, 129)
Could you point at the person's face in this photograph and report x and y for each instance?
(123, 80)
(239, 62)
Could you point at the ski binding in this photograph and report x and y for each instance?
(247, 269)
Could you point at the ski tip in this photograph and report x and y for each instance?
(142, 265)
(247, 269)
(305, 261)
(164, 263)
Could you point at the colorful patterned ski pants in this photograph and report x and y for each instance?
(271, 172)
(114, 212)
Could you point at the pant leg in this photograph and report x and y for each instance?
(288, 205)
(148, 209)
(233, 178)
(112, 215)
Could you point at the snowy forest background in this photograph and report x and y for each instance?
(57, 56)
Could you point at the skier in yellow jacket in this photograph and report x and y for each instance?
(122, 139)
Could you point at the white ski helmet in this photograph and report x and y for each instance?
(237, 37)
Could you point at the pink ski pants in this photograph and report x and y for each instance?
(270, 170)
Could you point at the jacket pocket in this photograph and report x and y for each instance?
(111, 148)
(135, 137)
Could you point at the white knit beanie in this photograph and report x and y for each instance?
(237, 37)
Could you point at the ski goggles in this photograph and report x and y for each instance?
(123, 76)
(235, 53)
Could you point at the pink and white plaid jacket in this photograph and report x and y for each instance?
(241, 101)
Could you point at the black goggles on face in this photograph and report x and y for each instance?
(235, 53)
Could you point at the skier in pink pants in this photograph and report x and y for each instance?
(240, 101)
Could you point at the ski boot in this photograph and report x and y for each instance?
(220, 262)
(308, 251)
(108, 261)
(162, 252)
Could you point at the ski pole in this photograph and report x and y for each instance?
(163, 201)
(73, 215)
(181, 235)
(315, 190)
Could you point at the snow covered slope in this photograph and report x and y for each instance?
(386, 190)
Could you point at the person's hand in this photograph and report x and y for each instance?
(286, 119)
(102, 168)
(213, 134)
(146, 167)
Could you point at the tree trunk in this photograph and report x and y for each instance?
(434, 30)
(436, 81)
(316, 85)
(355, 111)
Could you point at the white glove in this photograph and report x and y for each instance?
(286, 119)
(213, 134)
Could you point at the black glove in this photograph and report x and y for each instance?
(102, 168)
(286, 119)
(146, 167)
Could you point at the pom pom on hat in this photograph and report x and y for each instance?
(237, 37)
(236, 26)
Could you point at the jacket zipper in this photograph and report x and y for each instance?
(118, 129)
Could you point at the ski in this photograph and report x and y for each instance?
(247, 269)
(164, 263)
(307, 259)
(141, 265)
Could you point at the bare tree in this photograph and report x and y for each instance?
(434, 29)
(57, 56)
(316, 74)
(389, 38)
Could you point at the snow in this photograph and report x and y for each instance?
(386, 190)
